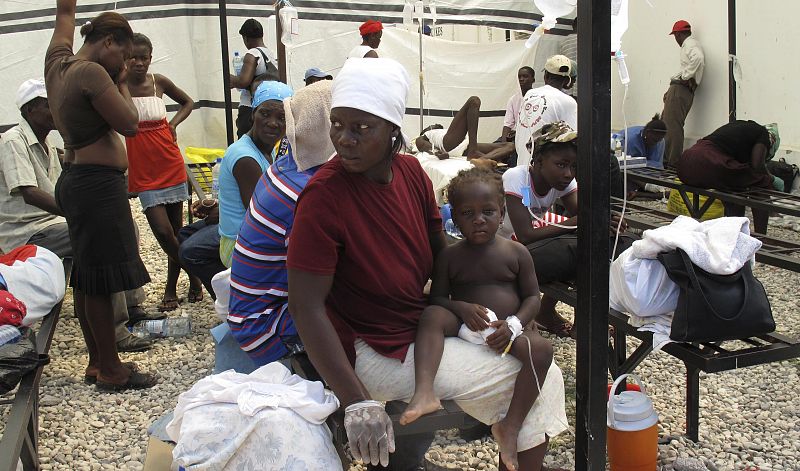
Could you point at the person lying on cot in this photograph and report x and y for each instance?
(442, 142)
(474, 279)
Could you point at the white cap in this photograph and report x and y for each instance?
(559, 65)
(30, 89)
(377, 86)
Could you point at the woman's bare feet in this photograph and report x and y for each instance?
(506, 438)
(421, 404)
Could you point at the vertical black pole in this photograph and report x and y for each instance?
(732, 52)
(594, 124)
(279, 47)
(226, 69)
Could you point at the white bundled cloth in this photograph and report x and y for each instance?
(720, 246)
(660, 326)
(222, 288)
(479, 338)
(35, 276)
(639, 284)
(641, 287)
(268, 420)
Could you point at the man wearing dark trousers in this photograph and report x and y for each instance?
(680, 95)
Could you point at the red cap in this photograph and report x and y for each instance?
(369, 27)
(681, 25)
(12, 310)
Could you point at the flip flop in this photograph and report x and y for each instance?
(563, 329)
(168, 305)
(135, 381)
(89, 379)
(195, 295)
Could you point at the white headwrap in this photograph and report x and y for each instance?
(377, 86)
(308, 118)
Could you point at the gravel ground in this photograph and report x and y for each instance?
(749, 417)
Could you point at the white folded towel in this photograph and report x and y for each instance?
(721, 246)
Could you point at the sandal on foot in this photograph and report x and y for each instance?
(169, 305)
(92, 379)
(562, 329)
(135, 381)
(195, 295)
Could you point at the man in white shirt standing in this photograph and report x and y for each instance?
(544, 105)
(371, 32)
(526, 76)
(680, 95)
(29, 169)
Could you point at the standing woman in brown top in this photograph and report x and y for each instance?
(90, 103)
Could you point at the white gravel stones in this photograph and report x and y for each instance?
(749, 417)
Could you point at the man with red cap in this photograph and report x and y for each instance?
(371, 32)
(680, 95)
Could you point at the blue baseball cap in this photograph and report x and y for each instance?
(315, 72)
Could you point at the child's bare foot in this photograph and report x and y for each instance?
(420, 405)
(506, 438)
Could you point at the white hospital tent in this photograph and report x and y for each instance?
(186, 39)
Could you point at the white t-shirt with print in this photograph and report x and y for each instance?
(540, 106)
(517, 178)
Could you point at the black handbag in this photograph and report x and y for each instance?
(716, 307)
(18, 358)
(784, 171)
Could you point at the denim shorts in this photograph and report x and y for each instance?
(170, 195)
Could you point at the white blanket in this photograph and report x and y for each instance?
(660, 326)
(224, 422)
(441, 171)
(720, 246)
(478, 338)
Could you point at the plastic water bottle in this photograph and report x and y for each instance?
(215, 178)
(170, 327)
(9, 334)
(452, 230)
(238, 62)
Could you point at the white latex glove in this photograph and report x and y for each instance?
(369, 432)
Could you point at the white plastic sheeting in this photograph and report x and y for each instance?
(187, 50)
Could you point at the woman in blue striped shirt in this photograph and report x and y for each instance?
(258, 316)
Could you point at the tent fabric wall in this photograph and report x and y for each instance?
(765, 38)
(187, 50)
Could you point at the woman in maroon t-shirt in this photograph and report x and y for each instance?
(365, 235)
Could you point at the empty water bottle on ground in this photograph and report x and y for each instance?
(170, 327)
(215, 178)
(9, 334)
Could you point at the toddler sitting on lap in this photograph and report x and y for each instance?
(473, 279)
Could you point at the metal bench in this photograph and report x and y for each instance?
(449, 417)
(769, 200)
(20, 439)
(775, 252)
(709, 357)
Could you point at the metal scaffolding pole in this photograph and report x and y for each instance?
(594, 124)
(226, 69)
(731, 63)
